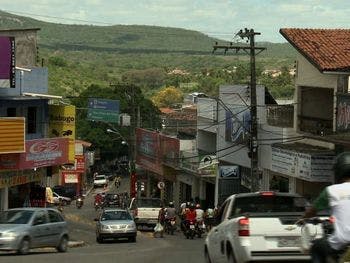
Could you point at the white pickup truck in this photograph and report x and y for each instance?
(145, 210)
(257, 227)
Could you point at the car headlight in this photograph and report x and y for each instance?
(105, 227)
(9, 235)
(131, 226)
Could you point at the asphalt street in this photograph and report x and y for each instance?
(82, 228)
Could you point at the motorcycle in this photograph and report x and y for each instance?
(200, 228)
(97, 205)
(170, 226)
(309, 235)
(79, 202)
(190, 229)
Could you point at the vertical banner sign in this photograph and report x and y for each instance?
(7, 62)
(343, 113)
(62, 124)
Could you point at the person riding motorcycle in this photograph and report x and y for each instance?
(190, 214)
(336, 198)
(170, 214)
(199, 213)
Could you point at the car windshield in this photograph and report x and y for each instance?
(15, 217)
(100, 177)
(268, 204)
(149, 203)
(115, 215)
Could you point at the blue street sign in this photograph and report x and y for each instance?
(104, 104)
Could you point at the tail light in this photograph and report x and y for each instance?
(243, 227)
(331, 219)
(268, 193)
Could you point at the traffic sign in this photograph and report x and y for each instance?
(161, 185)
(104, 104)
(103, 110)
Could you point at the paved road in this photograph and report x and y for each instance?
(171, 249)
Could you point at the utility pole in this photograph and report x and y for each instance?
(253, 143)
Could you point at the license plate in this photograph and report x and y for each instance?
(288, 242)
(191, 226)
(153, 221)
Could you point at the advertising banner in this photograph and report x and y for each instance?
(79, 164)
(70, 177)
(7, 62)
(12, 135)
(229, 171)
(62, 124)
(306, 166)
(39, 153)
(8, 181)
(343, 112)
(170, 150)
(148, 150)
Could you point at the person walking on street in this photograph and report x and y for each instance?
(161, 221)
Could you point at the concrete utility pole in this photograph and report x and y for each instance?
(253, 143)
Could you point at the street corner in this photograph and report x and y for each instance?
(73, 244)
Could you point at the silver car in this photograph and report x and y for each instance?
(115, 223)
(24, 228)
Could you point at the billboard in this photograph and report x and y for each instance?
(170, 150)
(343, 112)
(12, 135)
(39, 153)
(7, 62)
(62, 124)
(148, 150)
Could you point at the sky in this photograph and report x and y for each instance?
(217, 18)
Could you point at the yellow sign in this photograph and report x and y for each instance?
(12, 135)
(8, 181)
(62, 124)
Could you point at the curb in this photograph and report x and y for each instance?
(72, 244)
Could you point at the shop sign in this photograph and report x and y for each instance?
(7, 62)
(70, 177)
(170, 149)
(229, 171)
(309, 167)
(12, 135)
(62, 124)
(208, 166)
(8, 181)
(79, 163)
(39, 153)
(343, 112)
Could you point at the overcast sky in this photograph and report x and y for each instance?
(218, 18)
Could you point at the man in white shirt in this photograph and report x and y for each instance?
(336, 198)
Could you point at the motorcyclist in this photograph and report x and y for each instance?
(98, 199)
(170, 211)
(209, 218)
(190, 214)
(336, 198)
(199, 213)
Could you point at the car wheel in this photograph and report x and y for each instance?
(206, 256)
(63, 245)
(24, 246)
(99, 239)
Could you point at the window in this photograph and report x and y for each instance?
(11, 112)
(54, 217)
(31, 119)
(40, 218)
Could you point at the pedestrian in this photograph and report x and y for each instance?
(161, 223)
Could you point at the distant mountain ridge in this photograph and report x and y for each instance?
(126, 38)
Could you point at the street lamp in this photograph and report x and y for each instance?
(124, 142)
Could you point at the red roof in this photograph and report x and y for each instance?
(166, 110)
(327, 49)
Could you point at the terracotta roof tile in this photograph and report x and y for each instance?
(327, 49)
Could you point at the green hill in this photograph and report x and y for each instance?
(79, 55)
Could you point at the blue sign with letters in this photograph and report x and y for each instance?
(104, 104)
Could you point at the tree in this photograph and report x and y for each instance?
(167, 97)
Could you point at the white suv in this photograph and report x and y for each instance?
(100, 180)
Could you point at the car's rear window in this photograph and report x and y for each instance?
(100, 177)
(149, 203)
(268, 204)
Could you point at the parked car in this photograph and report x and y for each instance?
(66, 190)
(61, 199)
(100, 180)
(257, 227)
(24, 228)
(115, 223)
(145, 210)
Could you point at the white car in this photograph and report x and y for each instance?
(63, 199)
(100, 180)
(257, 227)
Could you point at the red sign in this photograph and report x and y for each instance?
(70, 177)
(148, 150)
(39, 153)
(170, 149)
(79, 163)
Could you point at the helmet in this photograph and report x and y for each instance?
(198, 206)
(192, 206)
(171, 204)
(342, 167)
